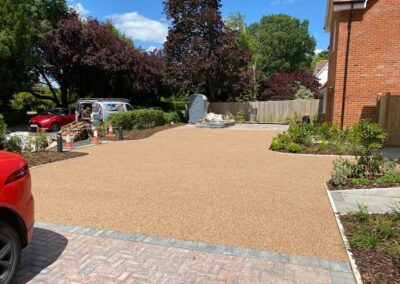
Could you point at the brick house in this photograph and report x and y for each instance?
(364, 58)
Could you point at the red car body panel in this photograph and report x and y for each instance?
(16, 195)
(44, 122)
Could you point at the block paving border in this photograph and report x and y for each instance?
(290, 268)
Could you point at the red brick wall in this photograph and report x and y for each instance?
(374, 61)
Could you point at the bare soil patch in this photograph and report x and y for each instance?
(41, 158)
(379, 264)
(373, 185)
(142, 133)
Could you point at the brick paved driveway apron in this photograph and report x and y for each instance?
(68, 254)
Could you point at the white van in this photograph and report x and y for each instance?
(103, 108)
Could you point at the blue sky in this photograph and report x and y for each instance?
(145, 23)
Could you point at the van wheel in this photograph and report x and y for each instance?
(10, 252)
(55, 127)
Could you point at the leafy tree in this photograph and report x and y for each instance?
(15, 54)
(284, 86)
(285, 44)
(202, 54)
(26, 101)
(323, 55)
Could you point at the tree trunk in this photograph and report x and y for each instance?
(64, 96)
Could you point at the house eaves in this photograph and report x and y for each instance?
(341, 5)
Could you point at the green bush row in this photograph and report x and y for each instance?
(316, 137)
(142, 118)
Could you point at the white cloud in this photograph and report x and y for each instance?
(318, 51)
(78, 7)
(151, 48)
(139, 27)
(277, 2)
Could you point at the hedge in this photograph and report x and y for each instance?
(138, 119)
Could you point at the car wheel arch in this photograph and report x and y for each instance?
(13, 219)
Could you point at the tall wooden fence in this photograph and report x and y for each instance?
(270, 111)
(388, 107)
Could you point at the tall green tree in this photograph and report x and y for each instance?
(23, 25)
(15, 49)
(285, 44)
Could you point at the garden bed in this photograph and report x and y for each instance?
(373, 185)
(143, 133)
(41, 158)
(375, 245)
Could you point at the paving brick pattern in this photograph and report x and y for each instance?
(66, 254)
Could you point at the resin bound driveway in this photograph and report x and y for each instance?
(212, 186)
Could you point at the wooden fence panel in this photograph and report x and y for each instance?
(270, 111)
(389, 117)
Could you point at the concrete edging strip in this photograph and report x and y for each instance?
(346, 243)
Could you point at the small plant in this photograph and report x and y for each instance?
(396, 252)
(38, 142)
(362, 213)
(171, 116)
(385, 229)
(360, 181)
(304, 94)
(294, 148)
(389, 178)
(342, 170)
(364, 239)
(240, 117)
(3, 130)
(368, 134)
(13, 144)
(396, 211)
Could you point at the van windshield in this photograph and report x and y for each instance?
(113, 107)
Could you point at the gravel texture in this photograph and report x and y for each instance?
(223, 187)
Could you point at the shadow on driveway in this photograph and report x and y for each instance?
(45, 249)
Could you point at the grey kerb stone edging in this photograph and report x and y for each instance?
(340, 270)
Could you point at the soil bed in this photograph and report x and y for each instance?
(316, 151)
(379, 264)
(143, 133)
(373, 185)
(41, 158)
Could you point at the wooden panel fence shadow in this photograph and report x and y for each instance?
(388, 107)
(270, 111)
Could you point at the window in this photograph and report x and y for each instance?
(129, 107)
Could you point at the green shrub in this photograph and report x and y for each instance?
(38, 142)
(364, 239)
(294, 148)
(304, 94)
(13, 144)
(3, 130)
(277, 144)
(138, 119)
(171, 116)
(368, 134)
(240, 117)
(389, 178)
(360, 181)
(342, 171)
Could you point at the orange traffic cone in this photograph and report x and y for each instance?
(95, 138)
(68, 142)
(110, 131)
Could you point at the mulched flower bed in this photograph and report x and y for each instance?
(41, 158)
(143, 133)
(333, 187)
(380, 264)
(316, 151)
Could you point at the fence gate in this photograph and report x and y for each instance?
(389, 117)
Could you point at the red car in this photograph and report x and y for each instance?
(16, 212)
(52, 120)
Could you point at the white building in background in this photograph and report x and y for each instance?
(321, 72)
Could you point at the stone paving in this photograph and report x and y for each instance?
(67, 254)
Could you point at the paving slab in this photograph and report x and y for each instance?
(59, 254)
(203, 185)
